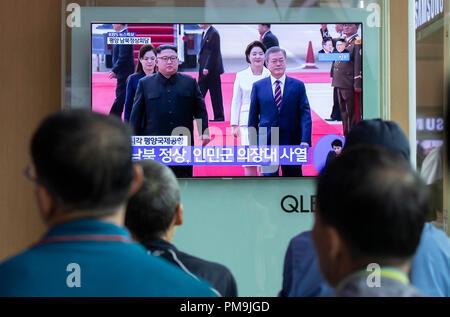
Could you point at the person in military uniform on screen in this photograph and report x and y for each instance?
(347, 78)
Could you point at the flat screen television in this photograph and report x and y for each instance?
(325, 57)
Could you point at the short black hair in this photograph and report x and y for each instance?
(265, 24)
(326, 39)
(251, 46)
(375, 201)
(151, 210)
(161, 48)
(84, 159)
(386, 134)
(336, 142)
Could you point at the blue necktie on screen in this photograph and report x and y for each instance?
(278, 94)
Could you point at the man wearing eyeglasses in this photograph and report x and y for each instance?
(84, 175)
(168, 102)
(280, 102)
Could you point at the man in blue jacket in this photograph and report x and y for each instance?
(280, 102)
(83, 175)
(370, 213)
(431, 262)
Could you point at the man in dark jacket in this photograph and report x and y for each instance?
(152, 215)
(267, 37)
(167, 101)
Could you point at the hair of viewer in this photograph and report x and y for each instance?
(151, 210)
(84, 159)
(375, 201)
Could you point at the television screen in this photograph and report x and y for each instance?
(231, 100)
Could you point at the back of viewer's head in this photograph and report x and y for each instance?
(386, 134)
(84, 160)
(376, 203)
(151, 211)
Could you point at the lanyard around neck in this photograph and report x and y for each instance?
(391, 273)
(84, 238)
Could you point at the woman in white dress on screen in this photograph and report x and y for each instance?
(240, 105)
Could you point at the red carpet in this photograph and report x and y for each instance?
(103, 95)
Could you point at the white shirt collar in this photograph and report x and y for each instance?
(282, 79)
(351, 37)
(206, 31)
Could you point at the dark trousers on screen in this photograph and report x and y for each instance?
(213, 83)
(287, 171)
(347, 106)
(182, 171)
(336, 112)
(121, 90)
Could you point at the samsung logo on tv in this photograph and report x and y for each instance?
(430, 124)
(427, 10)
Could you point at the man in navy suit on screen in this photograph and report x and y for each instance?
(280, 101)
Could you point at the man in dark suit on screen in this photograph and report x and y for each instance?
(123, 66)
(210, 69)
(267, 37)
(167, 101)
(280, 102)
